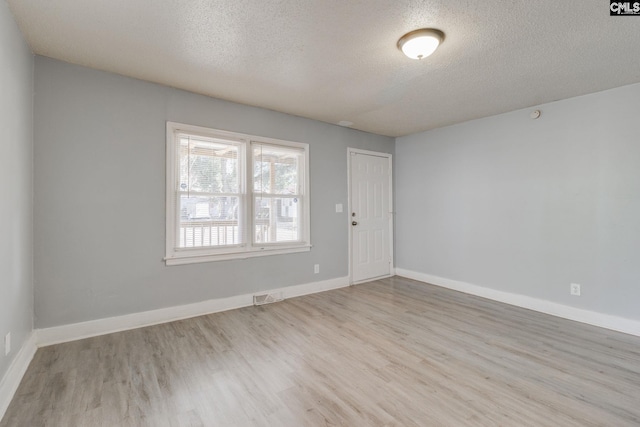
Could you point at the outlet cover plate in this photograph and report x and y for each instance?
(575, 289)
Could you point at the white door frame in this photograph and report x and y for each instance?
(349, 210)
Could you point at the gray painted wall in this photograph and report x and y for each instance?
(100, 196)
(16, 187)
(529, 206)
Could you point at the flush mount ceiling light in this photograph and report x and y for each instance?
(420, 43)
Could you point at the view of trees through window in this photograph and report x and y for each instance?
(231, 195)
(277, 195)
(212, 192)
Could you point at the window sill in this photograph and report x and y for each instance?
(194, 259)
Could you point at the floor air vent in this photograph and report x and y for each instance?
(267, 298)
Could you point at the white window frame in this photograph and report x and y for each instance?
(249, 249)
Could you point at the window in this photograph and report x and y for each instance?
(234, 196)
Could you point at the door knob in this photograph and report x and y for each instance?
(354, 223)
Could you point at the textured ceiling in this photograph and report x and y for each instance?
(336, 60)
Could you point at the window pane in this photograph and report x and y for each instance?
(276, 170)
(277, 219)
(208, 165)
(209, 221)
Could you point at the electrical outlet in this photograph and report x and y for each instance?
(316, 269)
(338, 207)
(575, 289)
(7, 343)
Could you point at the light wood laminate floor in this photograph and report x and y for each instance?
(389, 352)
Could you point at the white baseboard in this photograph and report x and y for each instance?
(594, 318)
(92, 328)
(11, 380)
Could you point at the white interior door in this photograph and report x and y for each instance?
(370, 216)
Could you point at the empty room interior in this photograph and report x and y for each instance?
(319, 213)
